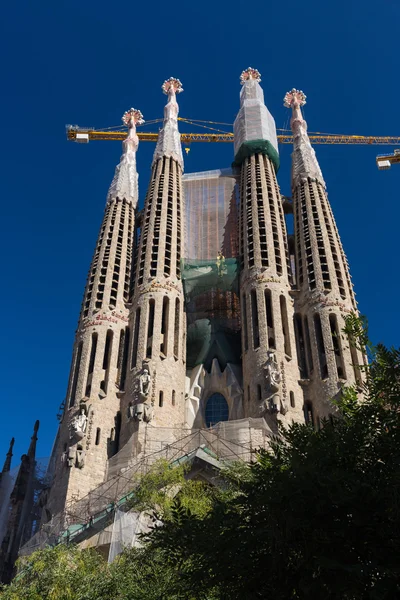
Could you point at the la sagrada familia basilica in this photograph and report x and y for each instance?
(201, 312)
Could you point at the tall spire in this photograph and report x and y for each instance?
(169, 139)
(32, 445)
(7, 462)
(254, 127)
(125, 182)
(304, 161)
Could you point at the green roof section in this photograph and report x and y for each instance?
(257, 147)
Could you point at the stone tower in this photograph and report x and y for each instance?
(156, 368)
(269, 355)
(324, 288)
(89, 429)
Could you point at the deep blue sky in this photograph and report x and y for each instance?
(87, 62)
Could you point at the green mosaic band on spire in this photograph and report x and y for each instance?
(257, 147)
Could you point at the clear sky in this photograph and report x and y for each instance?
(86, 62)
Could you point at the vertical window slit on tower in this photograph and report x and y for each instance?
(337, 347)
(173, 400)
(285, 326)
(177, 328)
(254, 319)
(77, 367)
(120, 356)
(300, 346)
(164, 326)
(135, 338)
(270, 320)
(150, 328)
(91, 364)
(106, 359)
(161, 399)
(98, 433)
(244, 323)
(307, 340)
(292, 400)
(124, 360)
(321, 346)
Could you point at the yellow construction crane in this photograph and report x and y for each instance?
(83, 135)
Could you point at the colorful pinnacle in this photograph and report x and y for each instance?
(132, 117)
(250, 73)
(294, 97)
(172, 83)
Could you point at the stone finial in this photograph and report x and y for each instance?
(248, 74)
(294, 97)
(172, 85)
(132, 117)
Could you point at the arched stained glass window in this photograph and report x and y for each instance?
(217, 410)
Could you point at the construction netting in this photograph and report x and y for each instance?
(254, 127)
(211, 268)
(85, 518)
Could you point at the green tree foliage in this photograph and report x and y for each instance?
(319, 515)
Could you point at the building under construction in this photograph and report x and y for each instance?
(204, 322)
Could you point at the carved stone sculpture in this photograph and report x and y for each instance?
(142, 410)
(79, 425)
(274, 402)
(144, 383)
(272, 373)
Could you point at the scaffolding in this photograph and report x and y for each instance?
(211, 268)
(227, 442)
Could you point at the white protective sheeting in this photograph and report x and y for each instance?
(254, 121)
(126, 528)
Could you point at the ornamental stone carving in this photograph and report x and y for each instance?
(274, 403)
(142, 409)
